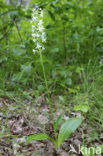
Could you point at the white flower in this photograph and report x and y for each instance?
(41, 14)
(44, 40)
(43, 37)
(38, 33)
(34, 40)
(33, 26)
(33, 30)
(34, 51)
(41, 28)
(34, 9)
(31, 21)
(34, 18)
(40, 23)
(35, 35)
(43, 48)
(38, 46)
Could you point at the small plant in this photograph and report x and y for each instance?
(70, 125)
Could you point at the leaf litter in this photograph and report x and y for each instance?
(18, 123)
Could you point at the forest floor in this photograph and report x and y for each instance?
(22, 116)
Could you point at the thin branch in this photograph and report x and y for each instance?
(18, 31)
(64, 40)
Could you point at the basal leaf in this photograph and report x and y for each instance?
(40, 136)
(59, 120)
(67, 129)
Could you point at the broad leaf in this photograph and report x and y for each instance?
(40, 136)
(17, 77)
(83, 108)
(67, 129)
(59, 120)
(26, 68)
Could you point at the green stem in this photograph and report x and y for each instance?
(50, 105)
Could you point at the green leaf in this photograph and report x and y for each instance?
(59, 120)
(13, 13)
(17, 77)
(3, 59)
(82, 108)
(40, 136)
(26, 68)
(69, 81)
(2, 133)
(74, 91)
(67, 129)
(61, 98)
(18, 52)
(51, 15)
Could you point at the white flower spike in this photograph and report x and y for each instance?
(38, 33)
